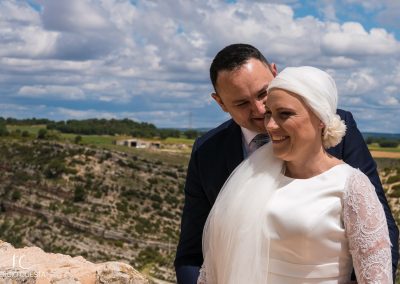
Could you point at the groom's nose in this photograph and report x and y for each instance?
(258, 107)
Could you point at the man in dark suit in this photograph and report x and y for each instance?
(240, 75)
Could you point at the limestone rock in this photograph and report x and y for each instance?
(31, 265)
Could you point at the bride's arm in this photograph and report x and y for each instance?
(367, 232)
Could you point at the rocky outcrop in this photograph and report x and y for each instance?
(33, 265)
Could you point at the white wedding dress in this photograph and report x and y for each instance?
(313, 230)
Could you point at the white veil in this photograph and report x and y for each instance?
(235, 237)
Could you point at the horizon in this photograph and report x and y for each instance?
(201, 129)
(149, 62)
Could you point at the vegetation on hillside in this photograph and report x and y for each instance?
(101, 127)
(78, 194)
(383, 142)
(102, 204)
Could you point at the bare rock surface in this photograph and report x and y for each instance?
(33, 265)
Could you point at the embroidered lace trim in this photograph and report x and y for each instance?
(202, 277)
(367, 232)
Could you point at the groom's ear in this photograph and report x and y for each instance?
(274, 69)
(219, 101)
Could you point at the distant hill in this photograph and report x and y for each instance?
(394, 136)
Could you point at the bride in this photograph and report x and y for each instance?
(291, 213)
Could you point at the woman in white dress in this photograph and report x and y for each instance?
(291, 213)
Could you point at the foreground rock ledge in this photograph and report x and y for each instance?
(33, 265)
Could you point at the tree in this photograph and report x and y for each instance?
(3, 128)
(388, 144)
(191, 134)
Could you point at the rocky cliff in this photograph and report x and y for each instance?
(101, 204)
(32, 265)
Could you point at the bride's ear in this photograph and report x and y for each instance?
(321, 125)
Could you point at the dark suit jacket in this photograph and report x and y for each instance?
(217, 153)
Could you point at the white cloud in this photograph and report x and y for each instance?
(352, 39)
(361, 82)
(74, 16)
(151, 60)
(390, 101)
(80, 114)
(391, 90)
(52, 91)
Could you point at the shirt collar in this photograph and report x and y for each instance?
(248, 135)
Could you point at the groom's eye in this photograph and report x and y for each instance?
(262, 95)
(241, 104)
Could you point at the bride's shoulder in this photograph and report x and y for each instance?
(357, 182)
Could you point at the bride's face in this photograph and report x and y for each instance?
(294, 129)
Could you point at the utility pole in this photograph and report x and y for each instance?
(190, 120)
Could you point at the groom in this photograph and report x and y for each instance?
(240, 75)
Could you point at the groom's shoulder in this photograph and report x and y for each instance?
(344, 114)
(218, 134)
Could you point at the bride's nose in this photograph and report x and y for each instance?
(270, 123)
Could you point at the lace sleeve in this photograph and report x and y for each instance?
(366, 229)
(202, 277)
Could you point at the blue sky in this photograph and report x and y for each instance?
(148, 60)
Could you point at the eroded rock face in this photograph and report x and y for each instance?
(31, 265)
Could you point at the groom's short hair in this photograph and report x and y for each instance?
(233, 57)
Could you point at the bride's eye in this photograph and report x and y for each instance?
(285, 114)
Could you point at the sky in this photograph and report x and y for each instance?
(148, 60)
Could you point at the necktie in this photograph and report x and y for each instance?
(258, 141)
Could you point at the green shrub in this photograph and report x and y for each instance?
(396, 187)
(393, 179)
(78, 139)
(3, 129)
(25, 133)
(42, 134)
(37, 206)
(55, 168)
(388, 144)
(16, 195)
(79, 194)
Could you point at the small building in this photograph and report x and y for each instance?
(137, 143)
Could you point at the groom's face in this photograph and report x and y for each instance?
(242, 93)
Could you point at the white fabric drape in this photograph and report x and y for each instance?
(235, 237)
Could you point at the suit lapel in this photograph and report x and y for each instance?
(233, 144)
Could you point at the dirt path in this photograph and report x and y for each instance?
(382, 154)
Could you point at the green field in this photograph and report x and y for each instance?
(172, 140)
(107, 142)
(31, 129)
(376, 147)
